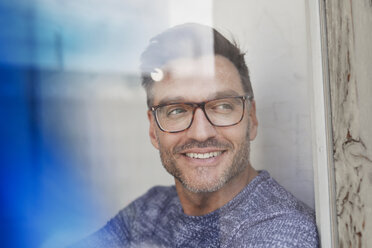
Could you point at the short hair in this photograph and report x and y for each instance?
(190, 40)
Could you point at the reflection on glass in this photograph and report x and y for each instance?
(75, 145)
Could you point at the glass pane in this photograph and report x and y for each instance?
(76, 146)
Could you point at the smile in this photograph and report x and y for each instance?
(203, 155)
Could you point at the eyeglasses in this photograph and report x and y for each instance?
(222, 112)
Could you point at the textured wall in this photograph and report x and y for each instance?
(349, 26)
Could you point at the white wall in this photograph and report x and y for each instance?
(274, 34)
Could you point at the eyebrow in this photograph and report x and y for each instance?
(225, 93)
(180, 99)
(172, 100)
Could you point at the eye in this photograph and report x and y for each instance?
(226, 106)
(223, 107)
(176, 111)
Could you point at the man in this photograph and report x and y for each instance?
(202, 118)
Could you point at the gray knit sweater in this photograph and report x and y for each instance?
(263, 214)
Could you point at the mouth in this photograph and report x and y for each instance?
(203, 155)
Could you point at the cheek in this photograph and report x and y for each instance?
(167, 140)
(240, 131)
(159, 137)
(236, 135)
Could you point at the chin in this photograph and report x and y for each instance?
(202, 182)
(202, 188)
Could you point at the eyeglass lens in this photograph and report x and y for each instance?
(220, 112)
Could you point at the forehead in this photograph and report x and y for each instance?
(197, 80)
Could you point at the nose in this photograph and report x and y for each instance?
(201, 129)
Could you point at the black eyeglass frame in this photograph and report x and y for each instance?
(200, 105)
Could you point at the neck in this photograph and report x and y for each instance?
(197, 204)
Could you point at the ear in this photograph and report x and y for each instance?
(253, 121)
(152, 130)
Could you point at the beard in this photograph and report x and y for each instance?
(203, 183)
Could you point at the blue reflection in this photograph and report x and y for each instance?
(41, 192)
(45, 198)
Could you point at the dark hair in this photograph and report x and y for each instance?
(190, 41)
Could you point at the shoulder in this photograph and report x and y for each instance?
(271, 197)
(287, 230)
(277, 219)
(138, 218)
(149, 205)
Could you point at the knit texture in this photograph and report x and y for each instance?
(263, 214)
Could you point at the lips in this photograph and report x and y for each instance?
(208, 146)
(205, 155)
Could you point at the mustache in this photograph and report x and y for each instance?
(211, 142)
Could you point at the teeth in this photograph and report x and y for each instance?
(203, 155)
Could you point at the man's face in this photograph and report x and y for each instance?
(203, 158)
